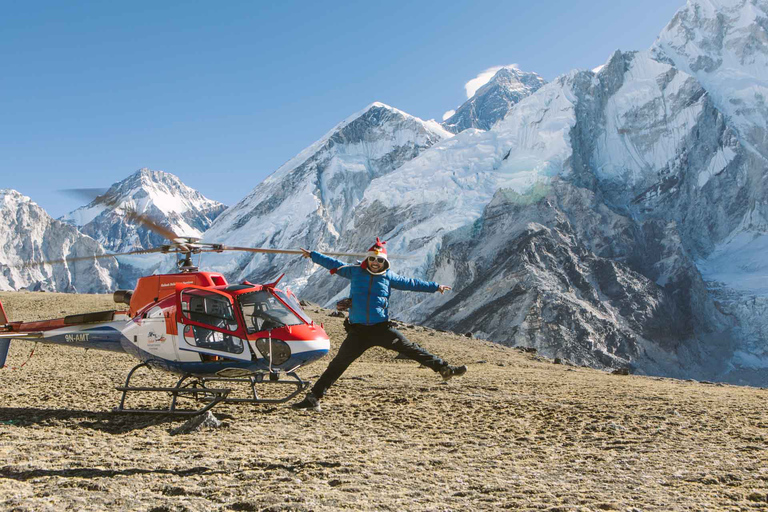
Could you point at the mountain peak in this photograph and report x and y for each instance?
(10, 192)
(723, 44)
(494, 99)
(146, 176)
(378, 104)
(512, 78)
(159, 194)
(376, 107)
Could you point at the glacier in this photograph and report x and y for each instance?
(29, 234)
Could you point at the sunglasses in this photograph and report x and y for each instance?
(373, 259)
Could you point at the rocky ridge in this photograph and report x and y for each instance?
(28, 234)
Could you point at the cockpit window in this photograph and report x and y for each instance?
(216, 315)
(263, 312)
(291, 300)
(208, 308)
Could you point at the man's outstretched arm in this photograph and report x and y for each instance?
(416, 285)
(332, 264)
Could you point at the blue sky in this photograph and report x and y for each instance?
(222, 93)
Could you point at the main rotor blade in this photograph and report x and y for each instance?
(82, 258)
(285, 251)
(101, 196)
(131, 214)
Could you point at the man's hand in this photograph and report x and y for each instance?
(305, 253)
(443, 288)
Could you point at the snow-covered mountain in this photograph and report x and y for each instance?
(590, 220)
(310, 199)
(156, 194)
(493, 101)
(724, 44)
(29, 234)
(615, 217)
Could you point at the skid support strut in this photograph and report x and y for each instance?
(196, 388)
(180, 390)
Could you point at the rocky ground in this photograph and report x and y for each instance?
(517, 432)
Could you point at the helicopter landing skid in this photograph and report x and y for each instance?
(197, 389)
(252, 381)
(213, 396)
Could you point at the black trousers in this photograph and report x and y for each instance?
(362, 337)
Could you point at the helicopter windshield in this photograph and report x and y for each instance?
(293, 303)
(263, 312)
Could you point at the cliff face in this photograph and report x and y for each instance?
(28, 234)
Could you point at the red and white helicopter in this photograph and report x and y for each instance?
(194, 324)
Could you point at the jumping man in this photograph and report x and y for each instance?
(368, 325)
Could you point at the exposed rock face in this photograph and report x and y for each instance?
(309, 200)
(494, 100)
(553, 272)
(29, 234)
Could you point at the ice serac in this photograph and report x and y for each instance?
(310, 199)
(29, 234)
(157, 194)
(493, 101)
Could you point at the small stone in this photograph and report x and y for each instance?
(207, 420)
(469, 335)
(620, 371)
(557, 361)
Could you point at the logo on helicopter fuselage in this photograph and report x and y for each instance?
(76, 338)
(154, 339)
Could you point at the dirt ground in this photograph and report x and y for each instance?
(516, 433)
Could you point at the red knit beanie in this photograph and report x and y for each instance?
(378, 249)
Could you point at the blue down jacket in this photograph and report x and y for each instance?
(370, 292)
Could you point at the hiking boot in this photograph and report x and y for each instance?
(452, 371)
(310, 403)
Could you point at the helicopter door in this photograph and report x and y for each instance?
(209, 325)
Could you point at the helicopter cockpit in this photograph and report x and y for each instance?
(215, 321)
(264, 311)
